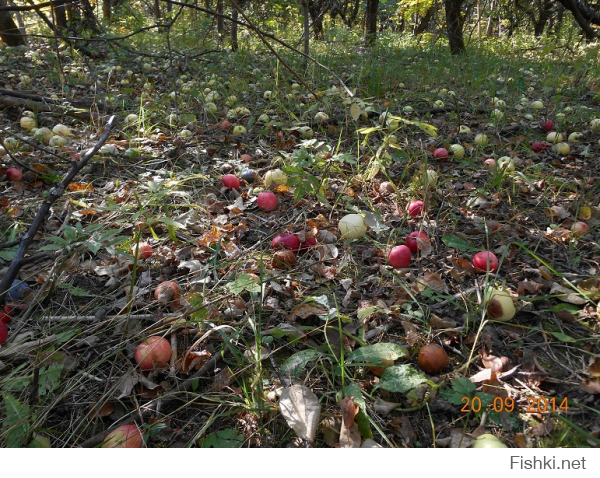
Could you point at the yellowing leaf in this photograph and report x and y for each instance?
(355, 111)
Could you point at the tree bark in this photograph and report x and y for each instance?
(454, 26)
(306, 18)
(234, 30)
(371, 21)
(424, 23)
(106, 10)
(9, 31)
(583, 16)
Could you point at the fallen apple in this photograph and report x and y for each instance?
(308, 243)
(249, 175)
(352, 226)
(432, 358)
(562, 148)
(464, 129)
(506, 164)
(490, 163)
(3, 332)
(574, 137)
(266, 201)
(246, 158)
(239, 130)
(126, 436)
(457, 151)
(499, 305)
(411, 240)
(283, 259)
(14, 175)
(144, 250)
(554, 137)
(399, 257)
(275, 177)
(487, 440)
(441, 154)
(481, 139)
(537, 105)
(538, 146)
(415, 208)
(548, 125)
(286, 241)
(485, 261)
(153, 352)
(167, 292)
(230, 181)
(579, 228)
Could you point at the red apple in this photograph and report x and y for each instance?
(154, 352)
(307, 244)
(399, 257)
(144, 250)
(3, 332)
(14, 174)
(538, 146)
(126, 436)
(386, 103)
(231, 181)
(490, 163)
(441, 154)
(246, 158)
(411, 240)
(285, 241)
(485, 260)
(548, 125)
(5, 317)
(579, 228)
(266, 201)
(167, 292)
(224, 124)
(493, 226)
(415, 208)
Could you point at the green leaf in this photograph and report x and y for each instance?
(295, 364)
(168, 221)
(16, 424)
(563, 337)
(459, 243)
(49, 378)
(401, 379)
(353, 390)
(227, 438)
(378, 352)
(244, 282)
(461, 388)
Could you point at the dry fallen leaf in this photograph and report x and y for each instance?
(301, 409)
(591, 385)
(349, 433)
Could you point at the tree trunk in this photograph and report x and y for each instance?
(106, 10)
(454, 26)
(352, 18)
(583, 20)
(9, 31)
(424, 23)
(371, 21)
(315, 9)
(306, 18)
(234, 30)
(220, 22)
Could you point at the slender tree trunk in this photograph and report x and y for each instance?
(9, 31)
(424, 23)
(315, 9)
(220, 22)
(234, 30)
(306, 18)
(352, 18)
(454, 26)
(106, 7)
(371, 21)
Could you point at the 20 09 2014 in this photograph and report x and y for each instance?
(534, 405)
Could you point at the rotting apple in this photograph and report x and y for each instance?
(432, 358)
(412, 240)
(499, 305)
(548, 125)
(126, 436)
(153, 352)
(283, 259)
(246, 158)
(399, 256)
(267, 201)
(490, 163)
(485, 261)
(167, 292)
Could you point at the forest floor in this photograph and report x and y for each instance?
(320, 343)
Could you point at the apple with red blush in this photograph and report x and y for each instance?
(412, 240)
(399, 257)
(485, 261)
(266, 201)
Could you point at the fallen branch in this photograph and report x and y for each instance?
(53, 195)
(30, 104)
